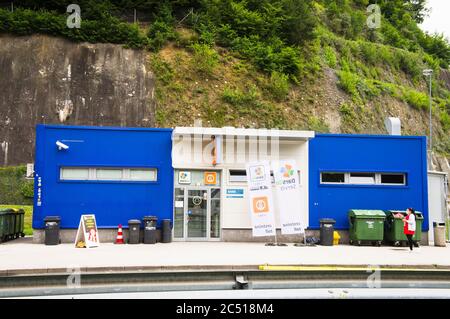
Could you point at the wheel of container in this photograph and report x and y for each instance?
(22, 234)
(351, 242)
(359, 243)
(379, 243)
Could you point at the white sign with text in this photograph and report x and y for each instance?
(260, 199)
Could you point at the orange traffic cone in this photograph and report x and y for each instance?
(119, 239)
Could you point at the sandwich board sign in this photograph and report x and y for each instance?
(87, 232)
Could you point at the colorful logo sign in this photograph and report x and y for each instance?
(260, 205)
(184, 177)
(257, 173)
(287, 171)
(210, 178)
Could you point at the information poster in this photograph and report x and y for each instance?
(260, 199)
(288, 196)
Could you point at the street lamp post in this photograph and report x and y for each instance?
(429, 73)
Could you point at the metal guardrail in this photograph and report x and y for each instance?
(165, 281)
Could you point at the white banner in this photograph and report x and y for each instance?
(260, 199)
(288, 196)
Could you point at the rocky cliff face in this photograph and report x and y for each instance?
(54, 81)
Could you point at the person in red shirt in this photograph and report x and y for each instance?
(409, 227)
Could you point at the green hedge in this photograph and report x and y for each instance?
(107, 30)
(14, 188)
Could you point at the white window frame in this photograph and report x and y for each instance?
(377, 179)
(346, 178)
(126, 174)
(61, 173)
(238, 177)
(395, 184)
(362, 183)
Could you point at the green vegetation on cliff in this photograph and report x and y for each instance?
(271, 63)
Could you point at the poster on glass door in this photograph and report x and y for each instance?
(288, 196)
(260, 199)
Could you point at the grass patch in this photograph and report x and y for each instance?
(318, 125)
(236, 97)
(28, 230)
(349, 118)
(330, 57)
(162, 69)
(416, 99)
(278, 85)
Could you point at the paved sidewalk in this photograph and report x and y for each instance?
(25, 257)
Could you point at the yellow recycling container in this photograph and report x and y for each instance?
(336, 238)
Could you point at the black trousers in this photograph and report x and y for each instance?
(411, 242)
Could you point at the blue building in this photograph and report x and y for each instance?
(120, 174)
(117, 174)
(366, 172)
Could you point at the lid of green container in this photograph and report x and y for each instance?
(6, 210)
(419, 215)
(373, 213)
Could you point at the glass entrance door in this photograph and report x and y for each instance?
(197, 214)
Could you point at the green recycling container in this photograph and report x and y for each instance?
(19, 216)
(3, 225)
(394, 227)
(366, 226)
(8, 224)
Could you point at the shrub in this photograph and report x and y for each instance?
(238, 98)
(159, 33)
(417, 100)
(108, 29)
(27, 189)
(369, 52)
(163, 71)
(348, 81)
(444, 118)
(279, 85)
(410, 64)
(330, 56)
(205, 58)
(14, 188)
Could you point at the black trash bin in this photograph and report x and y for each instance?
(150, 229)
(52, 224)
(134, 229)
(326, 231)
(166, 231)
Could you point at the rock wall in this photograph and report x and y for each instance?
(54, 81)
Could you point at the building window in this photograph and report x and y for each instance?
(143, 175)
(332, 178)
(108, 174)
(237, 175)
(75, 173)
(393, 179)
(362, 178)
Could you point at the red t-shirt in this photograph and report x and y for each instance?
(405, 228)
